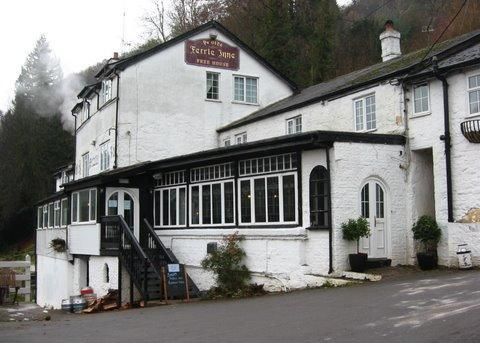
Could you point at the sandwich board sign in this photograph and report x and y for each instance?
(175, 281)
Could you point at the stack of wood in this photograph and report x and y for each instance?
(107, 302)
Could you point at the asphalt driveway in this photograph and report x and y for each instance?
(440, 306)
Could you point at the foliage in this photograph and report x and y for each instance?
(226, 263)
(354, 229)
(58, 245)
(427, 232)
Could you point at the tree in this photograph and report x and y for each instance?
(155, 21)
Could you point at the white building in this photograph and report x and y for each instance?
(200, 137)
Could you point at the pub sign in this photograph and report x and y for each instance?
(212, 53)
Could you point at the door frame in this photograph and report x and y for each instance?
(134, 193)
(386, 209)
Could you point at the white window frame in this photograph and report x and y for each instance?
(415, 87)
(218, 86)
(86, 110)
(63, 205)
(50, 215)
(200, 203)
(470, 90)
(281, 221)
(86, 164)
(177, 207)
(40, 217)
(106, 91)
(241, 138)
(244, 100)
(90, 219)
(363, 101)
(227, 142)
(295, 123)
(45, 216)
(105, 156)
(56, 209)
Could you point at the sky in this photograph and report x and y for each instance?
(80, 33)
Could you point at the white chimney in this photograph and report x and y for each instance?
(390, 40)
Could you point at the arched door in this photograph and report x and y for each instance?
(123, 203)
(373, 208)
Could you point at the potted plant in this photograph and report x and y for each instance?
(353, 230)
(427, 232)
(58, 244)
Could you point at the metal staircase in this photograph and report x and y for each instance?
(143, 262)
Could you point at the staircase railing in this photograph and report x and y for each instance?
(118, 235)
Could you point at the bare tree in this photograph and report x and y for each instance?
(155, 21)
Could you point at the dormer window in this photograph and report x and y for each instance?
(106, 90)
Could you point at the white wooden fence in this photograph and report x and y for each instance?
(22, 275)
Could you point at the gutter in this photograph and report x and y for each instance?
(446, 138)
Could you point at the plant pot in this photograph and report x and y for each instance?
(358, 262)
(427, 261)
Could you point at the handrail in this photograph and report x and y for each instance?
(157, 240)
(127, 229)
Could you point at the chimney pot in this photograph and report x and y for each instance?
(115, 55)
(390, 40)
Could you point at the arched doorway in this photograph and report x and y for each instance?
(124, 202)
(373, 206)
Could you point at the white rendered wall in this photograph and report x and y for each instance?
(333, 115)
(84, 238)
(163, 110)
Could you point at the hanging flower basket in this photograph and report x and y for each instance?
(58, 245)
(471, 130)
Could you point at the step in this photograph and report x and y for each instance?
(378, 263)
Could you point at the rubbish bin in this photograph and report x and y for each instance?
(464, 257)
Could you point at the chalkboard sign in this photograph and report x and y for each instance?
(175, 281)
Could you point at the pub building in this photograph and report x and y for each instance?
(200, 137)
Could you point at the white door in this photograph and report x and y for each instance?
(123, 202)
(373, 209)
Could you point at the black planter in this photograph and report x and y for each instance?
(427, 261)
(358, 262)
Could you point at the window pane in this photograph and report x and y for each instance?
(228, 198)
(273, 199)
(245, 201)
(39, 217)
(206, 214)
(212, 86)
(93, 205)
(474, 99)
(75, 207)
(112, 205)
(365, 201)
(380, 202)
(319, 197)
(289, 198)
(359, 115)
(217, 203)
(50, 215)
(57, 214)
(260, 210)
(84, 209)
(64, 212)
(165, 206)
(251, 90)
(181, 206)
(156, 208)
(195, 205)
(239, 89)
(370, 112)
(173, 207)
(473, 81)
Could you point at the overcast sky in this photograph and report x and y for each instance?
(81, 33)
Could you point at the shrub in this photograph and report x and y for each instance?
(427, 232)
(226, 262)
(354, 229)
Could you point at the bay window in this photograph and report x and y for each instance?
(64, 211)
(84, 206)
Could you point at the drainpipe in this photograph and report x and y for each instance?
(330, 224)
(115, 163)
(446, 138)
(74, 146)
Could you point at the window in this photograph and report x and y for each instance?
(170, 207)
(294, 125)
(104, 156)
(226, 142)
(210, 173)
(365, 117)
(39, 217)
(85, 165)
(56, 210)
(64, 211)
(45, 216)
(50, 215)
(84, 206)
(319, 197)
(212, 86)
(268, 199)
(106, 91)
(212, 203)
(86, 110)
(171, 178)
(474, 94)
(269, 164)
(245, 89)
(241, 138)
(420, 99)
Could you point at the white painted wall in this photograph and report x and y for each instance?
(163, 110)
(334, 115)
(84, 238)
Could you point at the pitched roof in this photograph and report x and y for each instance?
(402, 65)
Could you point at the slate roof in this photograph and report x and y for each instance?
(450, 52)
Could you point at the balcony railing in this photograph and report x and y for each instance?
(471, 130)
